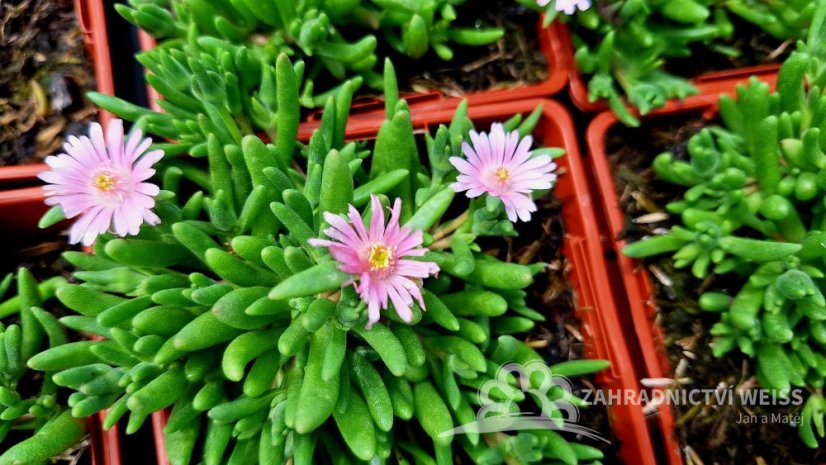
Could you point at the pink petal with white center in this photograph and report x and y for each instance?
(101, 181)
(500, 165)
(376, 258)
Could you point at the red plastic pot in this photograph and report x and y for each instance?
(710, 83)
(635, 292)
(601, 321)
(104, 445)
(20, 211)
(92, 21)
(147, 42)
(159, 420)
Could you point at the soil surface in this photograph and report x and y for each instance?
(42, 256)
(558, 339)
(517, 59)
(44, 72)
(708, 434)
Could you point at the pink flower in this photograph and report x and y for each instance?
(501, 165)
(378, 259)
(102, 182)
(568, 7)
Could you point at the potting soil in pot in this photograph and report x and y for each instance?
(516, 59)
(44, 74)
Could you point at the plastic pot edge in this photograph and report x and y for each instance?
(636, 287)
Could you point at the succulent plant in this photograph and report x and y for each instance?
(753, 208)
(28, 399)
(783, 21)
(274, 327)
(311, 30)
(625, 45)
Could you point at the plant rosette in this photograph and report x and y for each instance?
(709, 83)
(547, 41)
(554, 128)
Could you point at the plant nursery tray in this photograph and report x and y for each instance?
(634, 290)
(588, 277)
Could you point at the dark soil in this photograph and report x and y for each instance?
(708, 434)
(138, 448)
(42, 256)
(558, 339)
(516, 59)
(44, 72)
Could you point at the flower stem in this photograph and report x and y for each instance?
(453, 225)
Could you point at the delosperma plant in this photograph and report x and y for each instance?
(29, 400)
(312, 30)
(625, 46)
(318, 303)
(221, 89)
(753, 209)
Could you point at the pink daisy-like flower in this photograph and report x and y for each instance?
(568, 7)
(501, 165)
(103, 182)
(377, 257)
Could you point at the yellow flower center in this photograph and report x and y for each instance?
(379, 257)
(502, 174)
(105, 182)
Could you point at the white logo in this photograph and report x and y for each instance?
(500, 410)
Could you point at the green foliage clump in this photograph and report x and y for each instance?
(314, 31)
(225, 314)
(28, 399)
(754, 209)
(625, 46)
